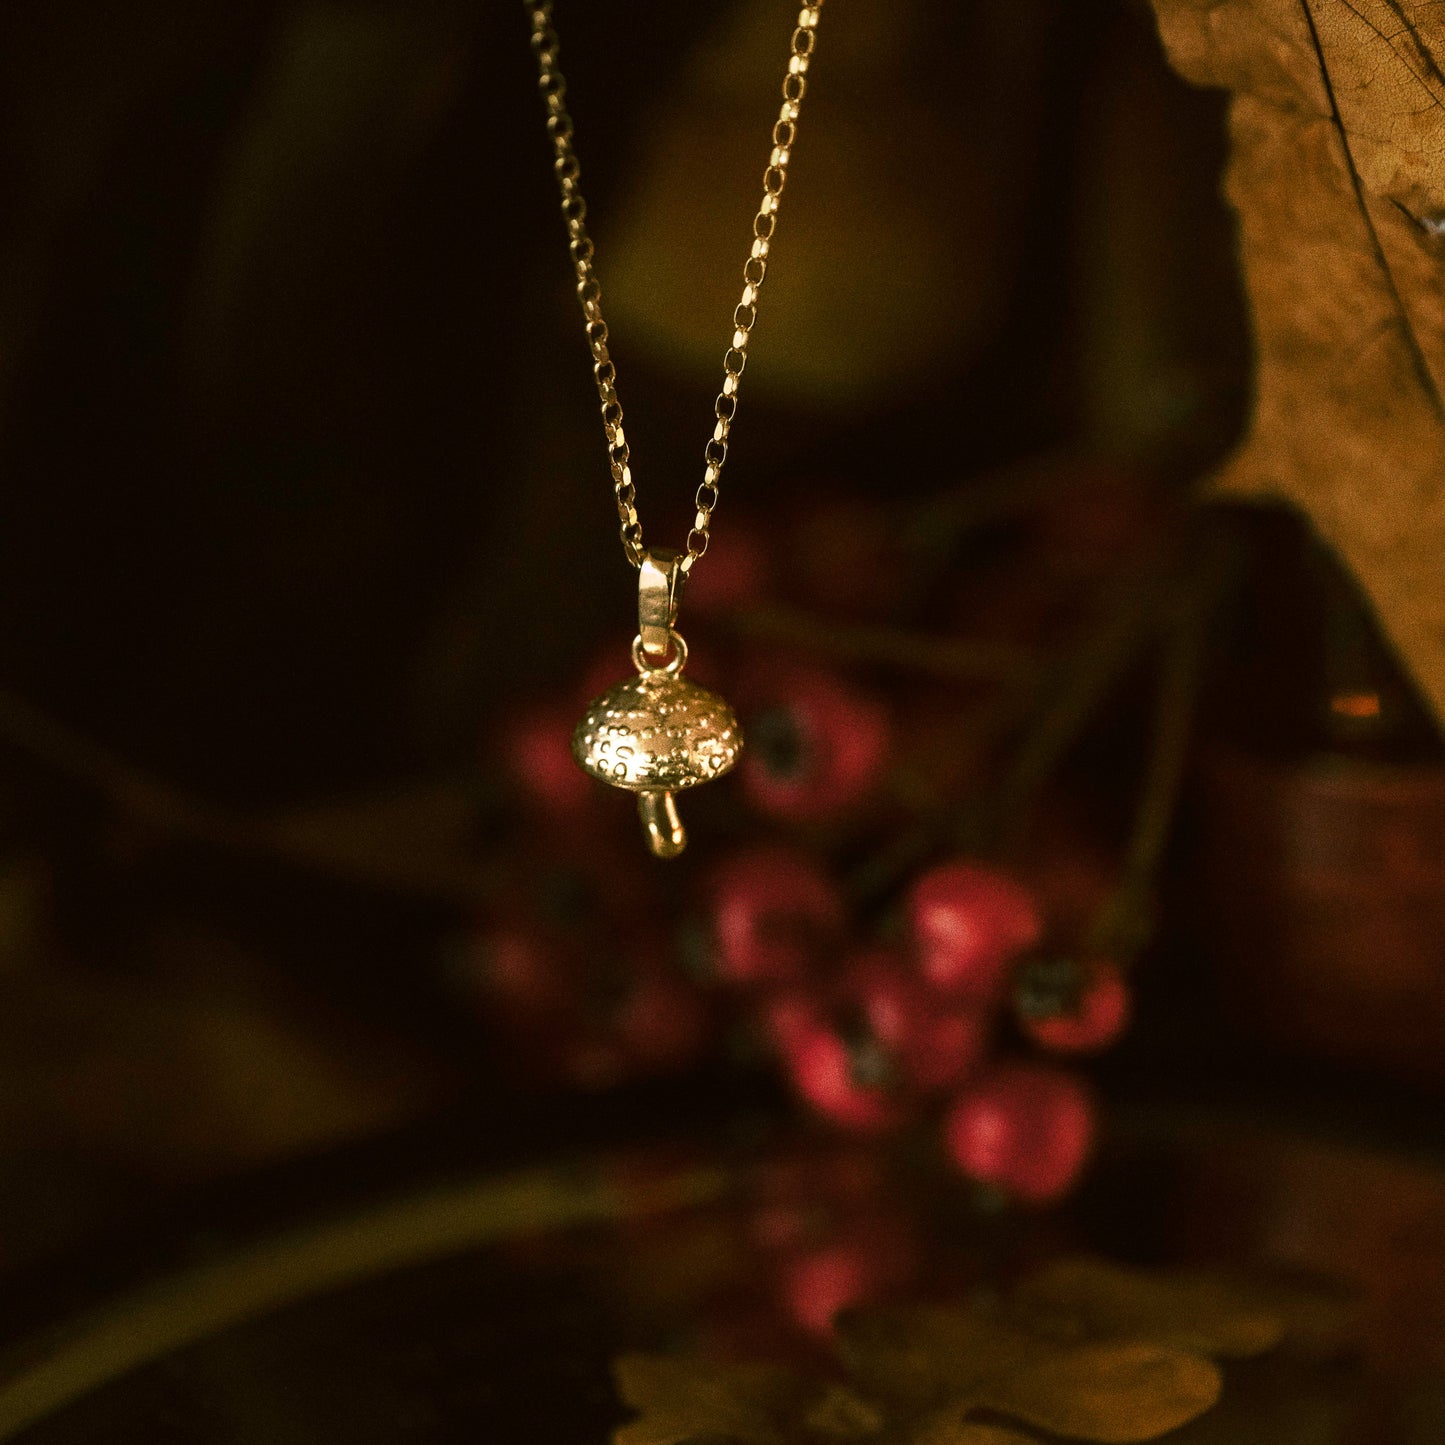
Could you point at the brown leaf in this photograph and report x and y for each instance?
(842, 1415)
(1083, 1349)
(1114, 1393)
(948, 1429)
(1092, 1299)
(209, 1060)
(1338, 176)
(925, 1357)
(1319, 1318)
(690, 1399)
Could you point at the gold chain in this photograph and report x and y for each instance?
(589, 291)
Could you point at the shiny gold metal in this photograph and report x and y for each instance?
(589, 290)
(657, 734)
(659, 584)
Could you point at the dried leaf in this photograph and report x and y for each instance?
(1319, 1318)
(842, 1415)
(923, 1375)
(1092, 1299)
(692, 1399)
(1338, 175)
(211, 1060)
(948, 1429)
(1115, 1394)
(922, 1358)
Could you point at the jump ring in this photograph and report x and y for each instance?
(672, 666)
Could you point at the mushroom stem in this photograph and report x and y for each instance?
(665, 834)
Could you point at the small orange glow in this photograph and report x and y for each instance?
(1356, 704)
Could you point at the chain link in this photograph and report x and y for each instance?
(589, 290)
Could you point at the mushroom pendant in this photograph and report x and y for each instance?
(658, 734)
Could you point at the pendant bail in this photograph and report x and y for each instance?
(659, 589)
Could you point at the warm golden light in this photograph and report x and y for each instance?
(1356, 704)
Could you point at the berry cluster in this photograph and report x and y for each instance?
(592, 968)
(828, 1234)
(871, 1036)
(805, 1229)
(578, 989)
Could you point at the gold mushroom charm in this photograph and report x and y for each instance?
(655, 735)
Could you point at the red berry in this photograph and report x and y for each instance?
(631, 1017)
(817, 747)
(968, 921)
(539, 760)
(1026, 1129)
(849, 1082)
(773, 911)
(871, 1256)
(572, 991)
(936, 1042)
(1087, 1010)
(819, 1285)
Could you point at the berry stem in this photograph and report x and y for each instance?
(1123, 925)
(413, 843)
(1073, 691)
(944, 519)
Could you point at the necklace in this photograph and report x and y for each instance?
(659, 733)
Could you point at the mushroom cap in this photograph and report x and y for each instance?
(657, 733)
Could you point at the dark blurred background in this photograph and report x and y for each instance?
(307, 559)
(294, 393)
(303, 496)
(303, 484)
